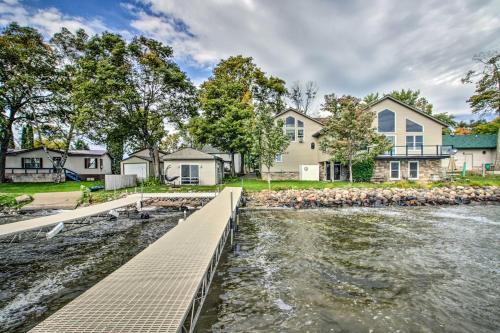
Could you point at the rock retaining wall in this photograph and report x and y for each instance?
(373, 197)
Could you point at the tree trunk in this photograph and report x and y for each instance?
(233, 173)
(269, 178)
(4, 144)
(242, 163)
(350, 170)
(155, 155)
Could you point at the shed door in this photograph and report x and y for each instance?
(139, 169)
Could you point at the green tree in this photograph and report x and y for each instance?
(348, 137)
(27, 66)
(170, 142)
(270, 140)
(486, 99)
(228, 99)
(491, 127)
(79, 144)
(371, 98)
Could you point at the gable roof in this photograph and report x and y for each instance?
(409, 107)
(189, 154)
(316, 120)
(145, 158)
(471, 141)
(134, 153)
(211, 150)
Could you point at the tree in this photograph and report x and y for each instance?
(79, 144)
(348, 135)
(491, 127)
(228, 99)
(27, 66)
(486, 99)
(371, 98)
(170, 142)
(303, 95)
(270, 140)
(412, 98)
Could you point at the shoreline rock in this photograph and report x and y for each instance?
(373, 197)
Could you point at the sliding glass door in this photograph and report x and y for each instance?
(190, 174)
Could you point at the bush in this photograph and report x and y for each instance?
(363, 171)
(151, 181)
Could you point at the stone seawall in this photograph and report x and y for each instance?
(373, 197)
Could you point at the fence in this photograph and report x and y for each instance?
(115, 182)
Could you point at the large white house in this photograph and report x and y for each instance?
(416, 155)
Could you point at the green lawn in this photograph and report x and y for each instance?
(9, 191)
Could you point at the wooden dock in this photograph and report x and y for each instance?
(68, 216)
(162, 289)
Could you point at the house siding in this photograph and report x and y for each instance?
(207, 171)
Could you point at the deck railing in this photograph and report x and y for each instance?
(419, 151)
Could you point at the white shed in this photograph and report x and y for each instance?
(193, 167)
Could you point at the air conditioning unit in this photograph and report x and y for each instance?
(309, 172)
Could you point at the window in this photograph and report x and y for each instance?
(278, 158)
(90, 163)
(31, 162)
(392, 140)
(101, 163)
(394, 170)
(412, 126)
(190, 174)
(414, 142)
(300, 130)
(294, 129)
(413, 170)
(313, 145)
(386, 121)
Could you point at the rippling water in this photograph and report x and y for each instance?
(39, 276)
(423, 269)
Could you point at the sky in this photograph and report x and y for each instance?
(346, 47)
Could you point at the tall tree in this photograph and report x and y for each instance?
(270, 140)
(79, 144)
(348, 135)
(486, 99)
(27, 66)
(228, 98)
(302, 96)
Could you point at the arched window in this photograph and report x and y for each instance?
(300, 130)
(290, 128)
(386, 121)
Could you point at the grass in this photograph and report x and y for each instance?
(10, 190)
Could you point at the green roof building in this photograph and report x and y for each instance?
(475, 150)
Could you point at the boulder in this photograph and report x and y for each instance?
(23, 198)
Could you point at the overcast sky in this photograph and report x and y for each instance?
(346, 47)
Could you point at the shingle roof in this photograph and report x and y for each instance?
(189, 154)
(211, 150)
(71, 152)
(470, 141)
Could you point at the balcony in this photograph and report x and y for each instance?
(418, 151)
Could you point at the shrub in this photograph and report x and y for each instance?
(151, 182)
(363, 171)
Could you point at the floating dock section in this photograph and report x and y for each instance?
(162, 289)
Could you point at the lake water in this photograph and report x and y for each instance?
(422, 269)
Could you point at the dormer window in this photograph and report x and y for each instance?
(386, 121)
(412, 126)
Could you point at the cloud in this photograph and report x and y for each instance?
(346, 47)
(48, 20)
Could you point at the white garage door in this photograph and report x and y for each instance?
(139, 169)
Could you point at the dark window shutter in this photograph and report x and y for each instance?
(22, 162)
(86, 162)
(41, 162)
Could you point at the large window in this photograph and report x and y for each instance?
(90, 163)
(190, 174)
(294, 129)
(31, 162)
(414, 142)
(412, 126)
(386, 121)
(413, 170)
(395, 170)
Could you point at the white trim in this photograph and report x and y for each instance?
(390, 170)
(414, 141)
(393, 149)
(418, 170)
